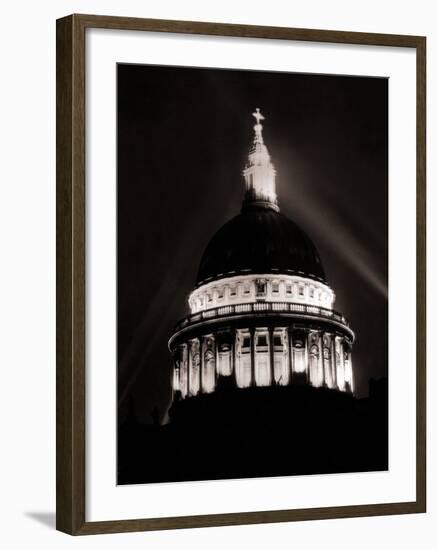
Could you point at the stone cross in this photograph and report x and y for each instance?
(258, 115)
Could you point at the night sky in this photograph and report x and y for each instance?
(183, 139)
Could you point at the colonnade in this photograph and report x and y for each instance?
(263, 357)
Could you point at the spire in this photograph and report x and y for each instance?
(259, 173)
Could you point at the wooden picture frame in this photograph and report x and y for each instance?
(71, 283)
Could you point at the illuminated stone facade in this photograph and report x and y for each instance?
(261, 313)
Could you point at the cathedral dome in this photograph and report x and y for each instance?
(261, 312)
(260, 240)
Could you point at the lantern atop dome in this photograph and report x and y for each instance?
(259, 173)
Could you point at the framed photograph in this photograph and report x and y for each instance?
(240, 274)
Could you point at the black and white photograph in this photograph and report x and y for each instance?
(218, 275)
(252, 274)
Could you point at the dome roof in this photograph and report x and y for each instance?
(260, 240)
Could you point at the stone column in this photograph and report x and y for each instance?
(341, 366)
(328, 363)
(306, 357)
(201, 363)
(252, 357)
(184, 371)
(234, 356)
(272, 357)
(320, 370)
(350, 369)
(176, 384)
(216, 354)
(290, 353)
(189, 363)
(322, 351)
(334, 361)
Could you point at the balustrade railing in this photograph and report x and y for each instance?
(257, 307)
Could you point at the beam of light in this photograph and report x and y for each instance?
(135, 356)
(323, 218)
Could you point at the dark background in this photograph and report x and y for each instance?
(183, 139)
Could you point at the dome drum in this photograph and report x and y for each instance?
(262, 355)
